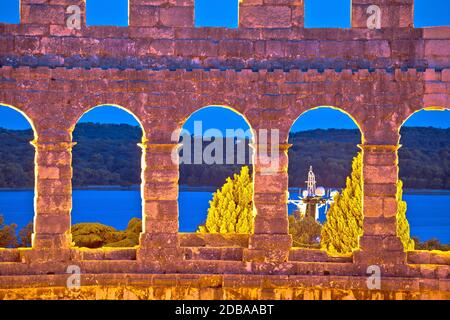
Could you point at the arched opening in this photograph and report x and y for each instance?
(106, 162)
(16, 178)
(325, 181)
(424, 169)
(216, 184)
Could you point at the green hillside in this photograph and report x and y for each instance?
(107, 154)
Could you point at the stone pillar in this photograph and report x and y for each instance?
(271, 240)
(271, 14)
(51, 238)
(393, 13)
(379, 244)
(159, 237)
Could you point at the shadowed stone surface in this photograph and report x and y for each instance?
(270, 70)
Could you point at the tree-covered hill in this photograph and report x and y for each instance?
(424, 158)
(107, 154)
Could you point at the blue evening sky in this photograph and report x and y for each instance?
(318, 13)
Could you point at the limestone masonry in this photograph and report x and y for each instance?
(271, 69)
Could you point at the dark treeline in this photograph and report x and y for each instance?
(329, 152)
(108, 154)
(195, 173)
(16, 159)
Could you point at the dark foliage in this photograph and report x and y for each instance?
(16, 159)
(8, 235)
(97, 235)
(432, 244)
(424, 158)
(106, 154)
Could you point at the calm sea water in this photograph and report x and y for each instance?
(428, 213)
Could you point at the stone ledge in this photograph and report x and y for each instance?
(428, 257)
(316, 255)
(103, 254)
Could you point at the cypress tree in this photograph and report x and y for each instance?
(231, 209)
(343, 226)
(344, 223)
(403, 231)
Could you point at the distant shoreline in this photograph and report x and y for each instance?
(213, 189)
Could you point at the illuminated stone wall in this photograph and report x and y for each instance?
(270, 70)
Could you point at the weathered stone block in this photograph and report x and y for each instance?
(177, 16)
(53, 204)
(380, 174)
(271, 183)
(159, 240)
(419, 257)
(9, 255)
(271, 225)
(48, 173)
(160, 225)
(166, 210)
(393, 14)
(42, 14)
(143, 16)
(270, 241)
(380, 190)
(381, 226)
(373, 207)
(52, 223)
(160, 191)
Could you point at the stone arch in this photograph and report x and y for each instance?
(235, 109)
(413, 112)
(353, 116)
(250, 131)
(142, 144)
(24, 114)
(80, 114)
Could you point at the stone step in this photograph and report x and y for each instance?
(429, 257)
(213, 253)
